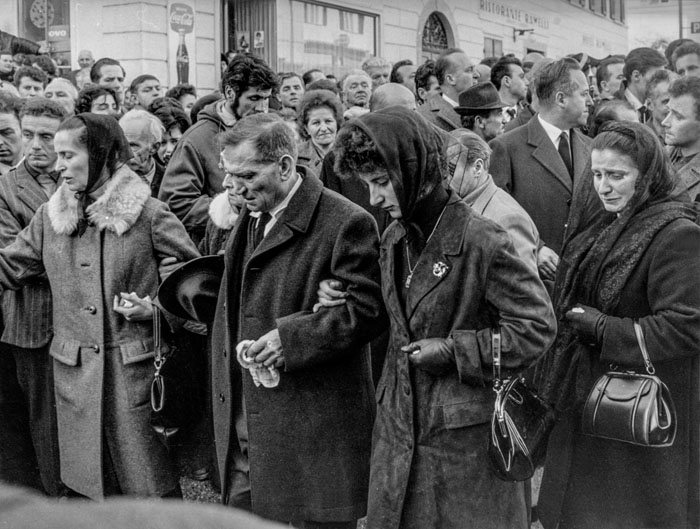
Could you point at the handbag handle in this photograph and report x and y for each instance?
(496, 352)
(643, 346)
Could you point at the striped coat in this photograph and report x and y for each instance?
(26, 312)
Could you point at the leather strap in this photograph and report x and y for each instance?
(643, 346)
(496, 352)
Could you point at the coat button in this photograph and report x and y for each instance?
(407, 391)
(91, 309)
(96, 349)
(222, 398)
(224, 351)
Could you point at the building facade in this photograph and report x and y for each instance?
(655, 23)
(178, 40)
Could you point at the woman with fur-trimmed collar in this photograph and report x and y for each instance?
(100, 241)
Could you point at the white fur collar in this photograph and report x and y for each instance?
(117, 209)
(220, 212)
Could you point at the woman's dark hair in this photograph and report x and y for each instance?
(656, 179)
(608, 111)
(75, 123)
(314, 99)
(88, 94)
(179, 90)
(170, 113)
(355, 153)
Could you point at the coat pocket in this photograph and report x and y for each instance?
(66, 351)
(138, 351)
(469, 413)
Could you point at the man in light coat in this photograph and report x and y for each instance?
(296, 447)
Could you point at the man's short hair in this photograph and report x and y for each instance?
(374, 62)
(476, 147)
(42, 107)
(687, 48)
(309, 74)
(96, 70)
(395, 76)
(138, 81)
(154, 128)
(10, 104)
(6, 52)
(687, 86)
(170, 113)
(555, 77)
(344, 80)
(443, 65)
(642, 60)
(660, 76)
(423, 74)
(179, 90)
(325, 84)
(33, 73)
(602, 72)
(246, 70)
(269, 134)
(91, 92)
(672, 46)
(502, 68)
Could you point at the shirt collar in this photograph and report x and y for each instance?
(633, 99)
(450, 101)
(553, 132)
(279, 208)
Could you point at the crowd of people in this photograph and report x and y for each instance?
(374, 231)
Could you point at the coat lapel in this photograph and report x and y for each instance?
(434, 263)
(447, 113)
(546, 154)
(387, 263)
(29, 191)
(579, 146)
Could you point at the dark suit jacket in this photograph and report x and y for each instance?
(26, 312)
(440, 113)
(526, 164)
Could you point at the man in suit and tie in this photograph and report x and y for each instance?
(640, 66)
(28, 432)
(302, 433)
(455, 73)
(541, 164)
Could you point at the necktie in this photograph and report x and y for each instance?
(260, 228)
(565, 153)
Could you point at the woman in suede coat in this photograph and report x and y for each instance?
(449, 276)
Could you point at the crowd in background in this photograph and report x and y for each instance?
(563, 182)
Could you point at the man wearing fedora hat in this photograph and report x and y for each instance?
(481, 111)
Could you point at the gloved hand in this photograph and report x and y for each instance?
(433, 355)
(587, 322)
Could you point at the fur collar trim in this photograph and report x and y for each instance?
(116, 210)
(220, 212)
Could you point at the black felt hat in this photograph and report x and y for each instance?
(482, 96)
(191, 291)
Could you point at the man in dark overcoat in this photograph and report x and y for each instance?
(306, 438)
(542, 164)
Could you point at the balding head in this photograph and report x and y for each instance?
(391, 94)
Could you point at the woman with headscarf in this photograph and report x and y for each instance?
(449, 277)
(639, 259)
(100, 241)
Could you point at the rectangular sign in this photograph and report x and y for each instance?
(695, 27)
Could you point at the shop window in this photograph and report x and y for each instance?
(493, 47)
(617, 10)
(332, 39)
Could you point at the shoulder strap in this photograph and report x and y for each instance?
(496, 352)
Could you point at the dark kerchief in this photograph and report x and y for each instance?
(599, 257)
(107, 147)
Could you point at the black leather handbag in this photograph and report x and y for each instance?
(631, 407)
(520, 425)
(172, 405)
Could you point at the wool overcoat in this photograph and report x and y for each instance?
(99, 356)
(309, 438)
(429, 464)
(653, 488)
(527, 165)
(440, 113)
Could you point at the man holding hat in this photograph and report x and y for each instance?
(481, 111)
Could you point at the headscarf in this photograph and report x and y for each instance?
(598, 259)
(107, 147)
(413, 154)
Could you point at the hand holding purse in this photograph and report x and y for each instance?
(631, 407)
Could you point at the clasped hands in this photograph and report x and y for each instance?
(267, 350)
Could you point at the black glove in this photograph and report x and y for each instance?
(433, 355)
(587, 322)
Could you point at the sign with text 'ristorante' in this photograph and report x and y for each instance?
(509, 12)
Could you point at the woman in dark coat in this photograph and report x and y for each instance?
(101, 240)
(319, 117)
(637, 260)
(449, 277)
